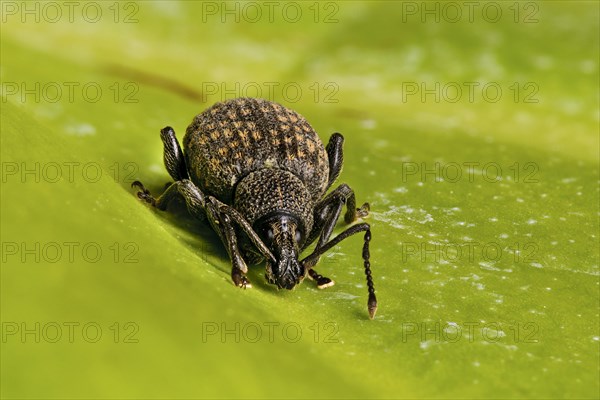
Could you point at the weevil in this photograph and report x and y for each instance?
(259, 173)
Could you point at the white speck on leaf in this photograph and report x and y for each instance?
(368, 124)
(81, 129)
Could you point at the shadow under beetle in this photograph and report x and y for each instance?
(259, 172)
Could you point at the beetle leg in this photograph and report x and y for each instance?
(366, 255)
(194, 198)
(144, 194)
(229, 238)
(328, 210)
(245, 226)
(322, 281)
(335, 154)
(173, 156)
(222, 217)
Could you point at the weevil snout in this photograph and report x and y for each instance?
(286, 273)
(283, 235)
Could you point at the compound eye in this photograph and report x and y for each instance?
(298, 237)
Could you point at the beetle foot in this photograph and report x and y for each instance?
(144, 194)
(363, 211)
(240, 280)
(322, 281)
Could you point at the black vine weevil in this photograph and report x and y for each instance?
(259, 172)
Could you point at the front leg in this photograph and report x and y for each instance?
(239, 269)
(227, 215)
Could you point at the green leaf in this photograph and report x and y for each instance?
(484, 209)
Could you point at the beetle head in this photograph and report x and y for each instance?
(283, 234)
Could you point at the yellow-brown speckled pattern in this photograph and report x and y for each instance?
(235, 137)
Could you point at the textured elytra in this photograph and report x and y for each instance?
(231, 139)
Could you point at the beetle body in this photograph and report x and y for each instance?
(259, 172)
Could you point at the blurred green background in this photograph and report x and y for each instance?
(471, 128)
